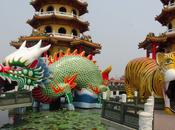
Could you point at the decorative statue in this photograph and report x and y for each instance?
(148, 76)
(23, 67)
(64, 73)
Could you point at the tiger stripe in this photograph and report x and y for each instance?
(143, 75)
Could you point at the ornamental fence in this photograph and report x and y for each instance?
(128, 112)
(122, 113)
(15, 98)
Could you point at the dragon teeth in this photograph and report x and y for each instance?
(9, 80)
(11, 71)
(3, 78)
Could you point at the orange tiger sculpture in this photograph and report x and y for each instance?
(148, 76)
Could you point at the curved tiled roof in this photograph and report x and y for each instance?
(78, 4)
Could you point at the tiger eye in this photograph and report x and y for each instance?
(169, 61)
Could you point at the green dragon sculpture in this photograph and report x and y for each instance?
(52, 77)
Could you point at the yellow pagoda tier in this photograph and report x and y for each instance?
(165, 42)
(60, 23)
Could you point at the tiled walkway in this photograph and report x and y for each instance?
(163, 121)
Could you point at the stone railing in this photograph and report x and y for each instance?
(132, 112)
(61, 35)
(58, 13)
(82, 1)
(171, 4)
(14, 98)
(122, 113)
(170, 31)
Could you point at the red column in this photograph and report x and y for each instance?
(154, 45)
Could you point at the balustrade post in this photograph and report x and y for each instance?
(124, 98)
(16, 96)
(103, 108)
(117, 93)
(145, 121)
(151, 101)
(146, 117)
(148, 107)
(104, 95)
(122, 112)
(111, 94)
(135, 97)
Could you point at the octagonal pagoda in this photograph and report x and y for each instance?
(60, 23)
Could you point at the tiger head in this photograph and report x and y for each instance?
(166, 63)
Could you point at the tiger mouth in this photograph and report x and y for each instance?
(170, 92)
(6, 84)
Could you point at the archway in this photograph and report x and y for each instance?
(48, 29)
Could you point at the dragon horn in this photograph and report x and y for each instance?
(23, 45)
(44, 49)
(38, 45)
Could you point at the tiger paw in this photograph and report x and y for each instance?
(168, 111)
(70, 107)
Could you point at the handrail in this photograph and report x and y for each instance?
(16, 95)
(170, 30)
(171, 4)
(16, 92)
(117, 112)
(82, 1)
(62, 35)
(48, 13)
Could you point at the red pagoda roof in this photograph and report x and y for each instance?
(53, 40)
(167, 14)
(78, 4)
(87, 43)
(151, 38)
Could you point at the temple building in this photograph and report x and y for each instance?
(164, 42)
(60, 23)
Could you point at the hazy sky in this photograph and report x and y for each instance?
(119, 25)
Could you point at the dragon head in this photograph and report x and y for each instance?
(24, 67)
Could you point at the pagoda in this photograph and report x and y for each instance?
(164, 42)
(59, 23)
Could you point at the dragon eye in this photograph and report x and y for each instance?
(169, 61)
(16, 68)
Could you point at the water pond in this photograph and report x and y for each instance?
(81, 119)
